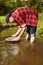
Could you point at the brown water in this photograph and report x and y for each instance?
(20, 53)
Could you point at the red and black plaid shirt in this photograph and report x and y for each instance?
(25, 16)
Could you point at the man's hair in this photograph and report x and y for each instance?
(7, 17)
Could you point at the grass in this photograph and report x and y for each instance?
(10, 31)
(40, 23)
(39, 26)
(2, 19)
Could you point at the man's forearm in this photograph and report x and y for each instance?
(18, 31)
(23, 29)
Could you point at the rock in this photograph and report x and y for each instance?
(42, 35)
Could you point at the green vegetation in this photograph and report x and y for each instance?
(8, 5)
(2, 20)
(40, 22)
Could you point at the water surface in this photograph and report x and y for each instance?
(20, 53)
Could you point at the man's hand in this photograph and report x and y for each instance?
(12, 39)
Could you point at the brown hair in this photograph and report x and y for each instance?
(7, 17)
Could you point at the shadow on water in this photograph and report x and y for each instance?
(20, 53)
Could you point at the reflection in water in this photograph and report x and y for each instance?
(8, 52)
(14, 50)
(20, 53)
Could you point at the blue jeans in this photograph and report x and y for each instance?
(31, 30)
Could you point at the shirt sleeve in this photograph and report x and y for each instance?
(20, 21)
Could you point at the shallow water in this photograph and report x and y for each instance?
(20, 53)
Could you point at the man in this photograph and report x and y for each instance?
(26, 18)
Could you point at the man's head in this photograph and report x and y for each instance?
(9, 18)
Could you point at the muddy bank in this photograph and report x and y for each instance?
(6, 27)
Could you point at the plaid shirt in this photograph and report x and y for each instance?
(25, 16)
